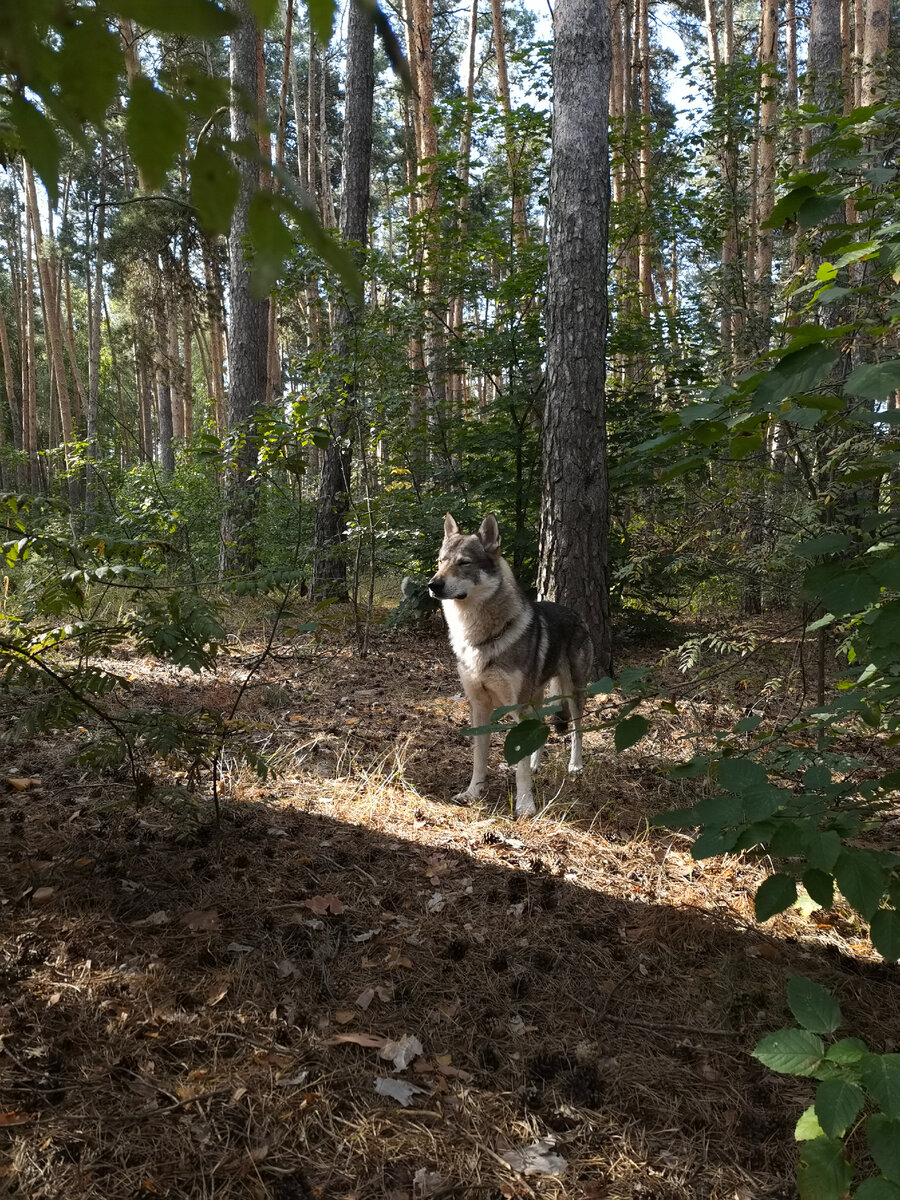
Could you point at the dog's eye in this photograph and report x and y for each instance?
(463, 562)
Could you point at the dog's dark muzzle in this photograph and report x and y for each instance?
(436, 587)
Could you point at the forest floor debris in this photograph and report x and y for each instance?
(355, 989)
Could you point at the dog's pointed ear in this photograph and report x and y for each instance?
(489, 533)
(450, 526)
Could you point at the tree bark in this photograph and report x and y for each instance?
(877, 26)
(330, 577)
(574, 567)
(95, 320)
(248, 321)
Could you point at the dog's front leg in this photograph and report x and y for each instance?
(524, 794)
(480, 714)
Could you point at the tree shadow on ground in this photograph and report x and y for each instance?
(178, 1008)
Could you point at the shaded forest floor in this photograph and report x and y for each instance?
(193, 1011)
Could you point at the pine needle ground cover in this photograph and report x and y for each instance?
(352, 988)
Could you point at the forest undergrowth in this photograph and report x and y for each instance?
(350, 987)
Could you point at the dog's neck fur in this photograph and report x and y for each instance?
(485, 627)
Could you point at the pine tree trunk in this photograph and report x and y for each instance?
(877, 25)
(330, 579)
(91, 490)
(519, 213)
(248, 321)
(645, 249)
(768, 117)
(574, 566)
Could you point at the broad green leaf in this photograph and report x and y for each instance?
(874, 381)
(742, 445)
(271, 241)
(264, 11)
(712, 842)
(877, 1189)
(787, 206)
(774, 895)
(630, 731)
(808, 1126)
(87, 91)
(847, 1051)
(828, 543)
(791, 1052)
(862, 877)
(321, 18)
(883, 1135)
(881, 1078)
(748, 724)
(813, 1006)
(329, 250)
(823, 1173)
(214, 187)
(156, 128)
(524, 739)
(193, 18)
(885, 932)
(817, 209)
(820, 886)
(39, 141)
(800, 371)
(600, 687)
(838, 1104)
(738, 774)
(823, 849)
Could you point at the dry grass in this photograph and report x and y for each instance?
(172, 995)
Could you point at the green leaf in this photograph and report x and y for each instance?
(156, 128)
(714, 841)
(774, 895)
(808, 1126)
(86, 92)
(881, 1078)
(264, 11)
(838, 1104)
(629, 731)
(214, 187)
(271, 241)
(523, 739)
(321, 18)
(742, 445)
(39, 141)
(791, 1052)
(862, 877)
(748, 724)
(877, 1189)
(874, 381)
(813, 1006)
(600, 687)
(828, 543)
(823, 849)
(817, 209)
(193, 18)
(739, 774)
(823, 1172)
(330, 251)
(883, 1135)
(786, 207)
(799, 371)
(885, 933)
(820, 886)
(847, 1051)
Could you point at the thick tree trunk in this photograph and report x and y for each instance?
(248, 321)
(877, 25)
(356, 155)
(520, 218)
(768, 116)
(575, 494)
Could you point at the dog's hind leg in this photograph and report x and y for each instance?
(573, 705)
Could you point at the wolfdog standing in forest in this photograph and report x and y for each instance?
(507, 647)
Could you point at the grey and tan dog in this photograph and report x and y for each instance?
(508, 648)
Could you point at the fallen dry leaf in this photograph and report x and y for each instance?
(42, 894)
(397, 1089)
(401, 1052)
(344, 1016)
(535, 1159)
(11, 1117)
(201, 920)
(21, 783)
(324, 904)
(370, 1040)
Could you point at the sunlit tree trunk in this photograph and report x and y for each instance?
(520, 219)
(248, 320)
(877, 25)
(456, 379)
(645, 246)
(768, 116)
(574, 568)
(94, 329)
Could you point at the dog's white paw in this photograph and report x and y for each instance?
(525, 806)
(576, 768)
(470, 795)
